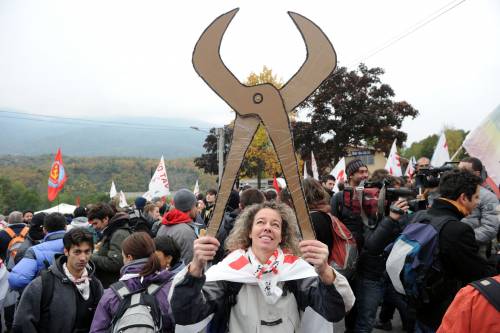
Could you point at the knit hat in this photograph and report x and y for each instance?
(140, 202)
(354, 166)
(184, 200)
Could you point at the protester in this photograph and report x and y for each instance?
(40, 256)
(107, 255)
(472, 312)
(458, 250)
(210, 205)
(64, 298)
(169, 254)
(328, 182)
(15, 226)
(271, 194)
(35, 236)
(141, 270)
(27, 216)
(270, 283)
(248, 197)
(179, 224)
(483, 219)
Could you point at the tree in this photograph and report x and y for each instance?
(358, 107)
(425, 147)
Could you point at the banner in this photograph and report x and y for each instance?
(339, 173)
(123, 200)
(484, 143)
(196, 189)
(441, 154)
(410, 169)
(112, 190)
(57, 177)
(393, 165)
(314, 166)
(158, 186)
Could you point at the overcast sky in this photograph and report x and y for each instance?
(99, 58)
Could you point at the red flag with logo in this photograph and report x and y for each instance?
(57, 177)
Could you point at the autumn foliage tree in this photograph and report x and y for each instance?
(358, 107)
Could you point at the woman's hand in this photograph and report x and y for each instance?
(316, 253)
(204, 249)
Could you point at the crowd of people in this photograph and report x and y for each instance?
(151, 268)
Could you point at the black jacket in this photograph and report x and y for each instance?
(322, 225)
(223, 232)
(351, 220)
(461, 263)
(371, 261)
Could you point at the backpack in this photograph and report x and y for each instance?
(490, 289)
(344, 252)
(413, 263)
(138, 311)
(15, 243)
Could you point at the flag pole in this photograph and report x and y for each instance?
(456, 153)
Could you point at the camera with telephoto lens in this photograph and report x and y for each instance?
(429, 177)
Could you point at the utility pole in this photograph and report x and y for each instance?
(220, 152)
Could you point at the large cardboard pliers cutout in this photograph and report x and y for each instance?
(263, 103)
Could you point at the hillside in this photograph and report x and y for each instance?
(24, 178)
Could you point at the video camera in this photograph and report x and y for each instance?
(429, 177)
(372, 200)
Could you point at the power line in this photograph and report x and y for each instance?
(81, 121)
(420, 24)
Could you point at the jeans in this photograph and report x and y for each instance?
(422, 328)
(393, 301)
(368, 298)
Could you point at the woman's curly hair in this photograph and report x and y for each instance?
(239, 238)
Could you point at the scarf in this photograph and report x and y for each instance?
(82, 284)
(243, 267)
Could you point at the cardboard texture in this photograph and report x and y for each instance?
(263, 103)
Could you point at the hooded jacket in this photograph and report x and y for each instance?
(484, 219)
(108, 259)
(36, 258)
(108, 306)
(62, 313)
(180, 226)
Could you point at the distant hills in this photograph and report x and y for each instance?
(119, 137)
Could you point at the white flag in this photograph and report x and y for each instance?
(314, 166)
(339, 173)
(112, 191)
(305, 171)
(393, 165)
(196, 188)
(158, 186)
(410, 169)
(123, 200)
(483, 143)
(441, 155)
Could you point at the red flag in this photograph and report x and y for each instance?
(77, 201)
(276, 185)
(57, 177)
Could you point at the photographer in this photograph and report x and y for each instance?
(372, 282)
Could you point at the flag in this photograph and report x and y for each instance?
(276, 185)
(339, 173)
(57, 177)
(305, 171)
(410, 169)
(112, 190)
(123, 200)
(158, 186)
(441, 155)
(393, 165)
(196, 189)
(314, 166)
(484, 143)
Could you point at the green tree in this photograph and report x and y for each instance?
(358, 107)
(426, 146)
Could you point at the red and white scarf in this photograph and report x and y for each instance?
(243, 267)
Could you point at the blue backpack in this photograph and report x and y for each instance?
(413, 264)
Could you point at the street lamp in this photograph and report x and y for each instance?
(219, 133)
